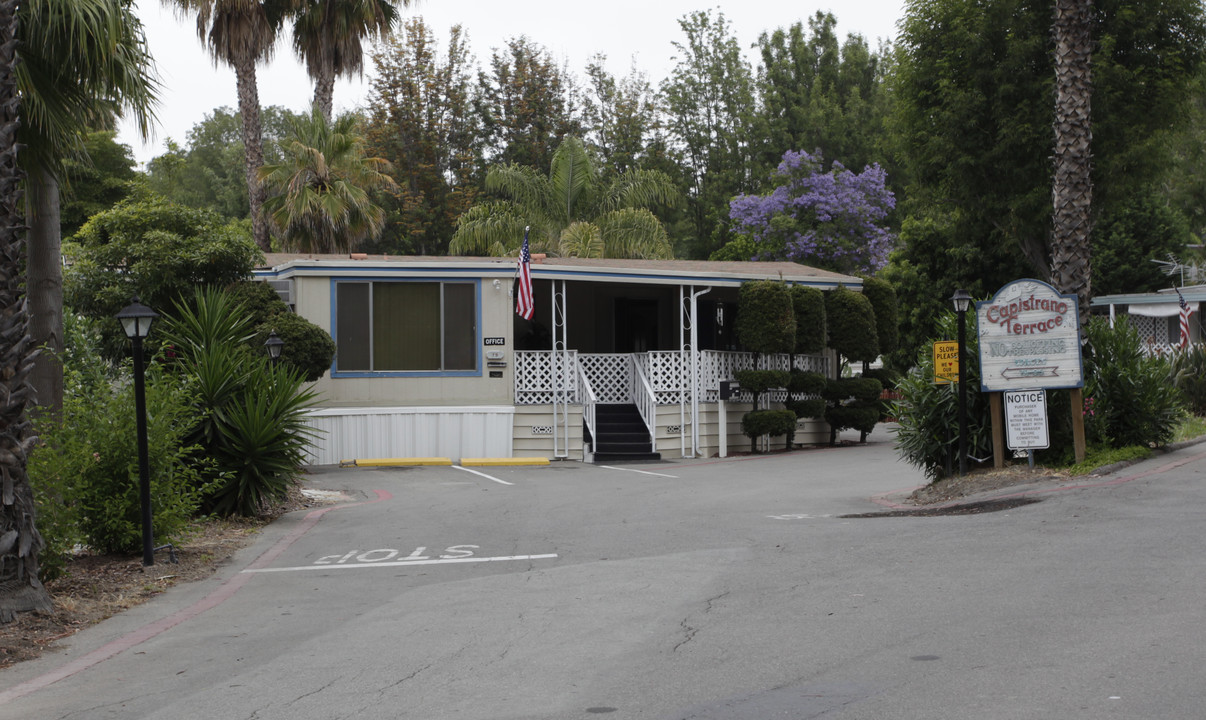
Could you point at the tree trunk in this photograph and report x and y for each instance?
(44, 284)
(253, 147)
(20, 589)
(1072, 188)
(324, 93)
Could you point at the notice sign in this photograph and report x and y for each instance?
(1029, 338)
(946, 362)
(1026, 420)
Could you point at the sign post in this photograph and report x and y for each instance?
(1029, 339)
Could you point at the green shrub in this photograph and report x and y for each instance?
(251, 412)
(809, 306)
(851, 321)
(1189, 376)
(883, 303)
(806, 383)
(85, 471)
(862, 389)
(807, 408)
(1129, 393)
(928, 413)
(857, 415)
(759, 381)
(852, 403)
(766, 322)
(307, 347)
(774, 423)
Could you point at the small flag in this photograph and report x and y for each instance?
(1186, 311)
(524, 306)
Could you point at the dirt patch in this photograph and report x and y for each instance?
(967, 508)
(983, 481)
(95, 587)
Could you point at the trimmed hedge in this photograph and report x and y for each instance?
(759, 381)
(766, 322)
(851, 321)
(806, 383)
(757, 423)
(809, 306)
(884, 305)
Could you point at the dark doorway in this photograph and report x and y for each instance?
(636, 325)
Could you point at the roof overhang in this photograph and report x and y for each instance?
(644, 272)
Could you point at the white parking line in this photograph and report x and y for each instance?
(488, 477)
(643, 472)
(400, 563)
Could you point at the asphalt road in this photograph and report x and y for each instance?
(718, 590)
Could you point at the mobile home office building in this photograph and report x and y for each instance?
(432, 360)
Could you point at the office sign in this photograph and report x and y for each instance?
(1029, 337)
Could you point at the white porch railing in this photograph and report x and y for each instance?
(644, 399)
(610, 375)
(589, 400)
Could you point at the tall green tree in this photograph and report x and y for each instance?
(619, 115)
(709, 100)
(82, 64)
(20, 542)
(819, 94)
(241, 33)
(328, 35)
(321, 197)
(209, 170)
(572, 211)
(98, 182)
(420, 119)
(973, 88)
(523, 105)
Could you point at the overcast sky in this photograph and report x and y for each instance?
(627, 31)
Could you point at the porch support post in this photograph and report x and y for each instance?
(563, 374)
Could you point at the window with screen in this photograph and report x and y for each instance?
(406, 326)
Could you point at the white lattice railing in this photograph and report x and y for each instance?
(666, 373)
(536, 371)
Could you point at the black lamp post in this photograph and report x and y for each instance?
(136, 320)
(962, 300)
(274, 345)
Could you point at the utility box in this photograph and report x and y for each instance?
(729, 388)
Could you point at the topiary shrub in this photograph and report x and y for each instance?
(806, 383)
(759, 381)
(766, 322)
(852, 403)
(811, 328)
(807, 408)
(883, 303)
(774, 423)
(851, 322)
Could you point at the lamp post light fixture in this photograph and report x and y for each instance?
(136, 320)
(962, 300)
(274, 344)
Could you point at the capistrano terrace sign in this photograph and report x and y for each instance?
(1029, 339)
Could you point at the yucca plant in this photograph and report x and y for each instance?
(252, 411)
(263, 439)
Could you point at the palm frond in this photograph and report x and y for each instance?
(634, 233)
(571, 179)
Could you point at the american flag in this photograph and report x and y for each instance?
(524, 306)
(1185, 313)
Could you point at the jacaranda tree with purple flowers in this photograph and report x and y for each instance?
(831, 219)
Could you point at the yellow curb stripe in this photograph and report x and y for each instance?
(513, 461)
(397, 462)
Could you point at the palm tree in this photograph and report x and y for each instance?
(82, 64)
(20, 589)
(322, 200)
(571, 212)
(1072, 189)
(327, 34)
(240, 33)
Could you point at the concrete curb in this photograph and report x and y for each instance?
(395, 462)
(505, 462)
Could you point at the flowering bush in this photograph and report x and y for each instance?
(829, 219)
